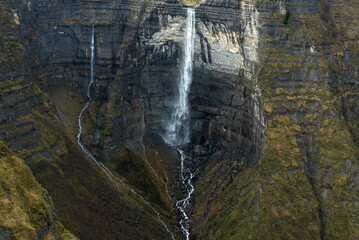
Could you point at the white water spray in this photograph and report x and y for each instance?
(103, 167)
(178, 127)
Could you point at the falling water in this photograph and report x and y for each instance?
(178, 126)
(88, 94)
(103, 167)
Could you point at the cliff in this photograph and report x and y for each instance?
(306, 184)
(274, 114)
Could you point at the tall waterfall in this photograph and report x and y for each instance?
(110, 175)
(178, 126)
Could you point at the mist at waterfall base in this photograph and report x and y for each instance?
(178, 127)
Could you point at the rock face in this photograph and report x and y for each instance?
(274, 107)
(303, 175)
(138, 52)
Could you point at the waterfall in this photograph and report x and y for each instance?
(88, 95)
(112, 177)
(178, 127)
(92, 61)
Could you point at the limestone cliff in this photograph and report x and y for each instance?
(306, 184)
(274, 114)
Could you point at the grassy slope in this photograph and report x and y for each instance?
(25, 209)
(87, 202)
(126, 164)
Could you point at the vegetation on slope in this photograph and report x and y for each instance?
(308, 138)
(26, 209)
(125, 163)
(87, 202)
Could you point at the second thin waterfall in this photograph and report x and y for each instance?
(178, 127)
(111, 176)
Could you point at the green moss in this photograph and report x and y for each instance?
(162, 159)
(81, 191)
(277, 62)
(335, 146)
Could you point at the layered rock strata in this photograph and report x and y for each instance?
(274, 109)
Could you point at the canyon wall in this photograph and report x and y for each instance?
(306, 184)
(274, 105)
(138, 52)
